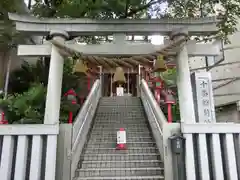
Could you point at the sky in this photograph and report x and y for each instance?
(156, 39)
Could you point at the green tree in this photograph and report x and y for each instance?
(228, 14)
(8, 35)
(93, 8)
(27, 93)
(9, 38)
(26, 107)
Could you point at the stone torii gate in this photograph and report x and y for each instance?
(60, 31)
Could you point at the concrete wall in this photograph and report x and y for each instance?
(228, 113)
(232, 54)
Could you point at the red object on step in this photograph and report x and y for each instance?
(121, 139)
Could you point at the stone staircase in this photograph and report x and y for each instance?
(101, 161)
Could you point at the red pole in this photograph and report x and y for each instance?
(2, 119)
(169, 106)
(70, 118)
(157, 95)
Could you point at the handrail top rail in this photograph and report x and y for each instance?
(75, 143)
(87, 102)
(155, 107)
(29, 129)
(210, 128)
(83, 115)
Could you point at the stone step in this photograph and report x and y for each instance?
(113, 139)
(133, 150)
(100, 159)
(122, 178)
(120, 157)
(115, 129)
(114, 133)
(113, 144)
(120, 125)
(120, 116)
(120, 122)
(121, 164)
(110, 172)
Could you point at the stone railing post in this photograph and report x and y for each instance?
(54, 89)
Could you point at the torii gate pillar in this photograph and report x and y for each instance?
(185, 96)
(186, 103)
(54, 89)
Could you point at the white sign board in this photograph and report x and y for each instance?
(121, 137)
(120, 91)
(203, 97)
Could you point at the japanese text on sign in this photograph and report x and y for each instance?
(203, 96)
(204, 89)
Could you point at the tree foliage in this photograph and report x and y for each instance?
(105, 9)
(27, 96)
(9, 37)
(26, 107)
(228, 13)
(101, 9)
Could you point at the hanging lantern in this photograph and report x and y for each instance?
(159, 65)
(80, 67)
(119, 76)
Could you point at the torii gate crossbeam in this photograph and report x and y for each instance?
(78, 27)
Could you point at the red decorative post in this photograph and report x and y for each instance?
(158, 86)
(71, 95)
(3, 120)
(169, 100)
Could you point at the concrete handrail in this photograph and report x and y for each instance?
(83, 123)
(84, 110)
(160, 117)
(161, 129)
